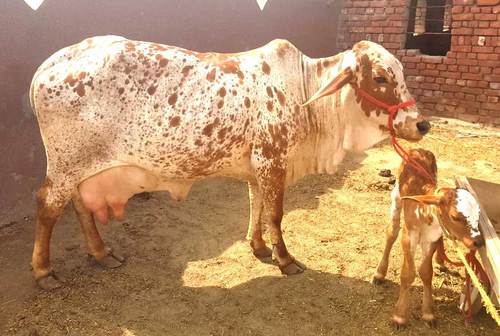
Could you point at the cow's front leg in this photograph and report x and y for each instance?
(96, 247)
(401, 310)
(272, 185)
(51, 201)
(425, 272)
(255, 229)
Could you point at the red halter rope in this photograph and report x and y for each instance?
(393, 110)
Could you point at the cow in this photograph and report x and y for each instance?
(428, 211)
(121, 117)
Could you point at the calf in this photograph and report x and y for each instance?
(428, 212)
(120, 117)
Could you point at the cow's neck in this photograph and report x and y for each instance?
(320, 149)
(358, 132)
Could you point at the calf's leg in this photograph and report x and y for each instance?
(96, 247)
(401, 310)
(391, 234)
(259, 248)
(425, 272)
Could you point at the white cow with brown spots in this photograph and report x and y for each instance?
(121, 117)
(428, 210)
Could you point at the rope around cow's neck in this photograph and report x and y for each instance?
(393, 110)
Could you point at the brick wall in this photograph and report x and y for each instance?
(465, 83)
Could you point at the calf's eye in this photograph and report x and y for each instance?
(380, 79)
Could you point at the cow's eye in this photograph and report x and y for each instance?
(380, 79)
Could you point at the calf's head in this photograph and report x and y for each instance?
(370, 70)
(458, 211)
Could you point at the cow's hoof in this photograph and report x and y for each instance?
(263, 252)
(430, 320)
(378, 278)
(398, 322)
(111, 260)
(294, 267)
(49, 282)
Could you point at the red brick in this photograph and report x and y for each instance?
(487, 10)
(452, 68)
(482, 98)
(472, 76)
(485, 17)
(483, 49)
(475, 91)
(360, 4)
(491, 106)
(483, 84)
(484, 31)
(448, 60)
(463, 68)
(464, 31)
(492, 99)
(450, 88)
(461, 48)
(430, 66)
(447, 74)
(427, 72)
(463, 17)
(457, 9)
(441, 67)
(467, 62)
(432, 59)
(483, 24)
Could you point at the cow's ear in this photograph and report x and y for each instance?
(342, 78)
(426, 199)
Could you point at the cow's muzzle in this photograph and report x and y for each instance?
(423, 127)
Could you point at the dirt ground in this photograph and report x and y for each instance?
(189, 270)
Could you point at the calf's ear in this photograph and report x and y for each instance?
(426, 199)
(342, 78)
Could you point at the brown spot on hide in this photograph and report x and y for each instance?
(220, 103)
(120, 90)
(222, 92)
(269, 92)
(207, 130)
(266, 68)
(130, 46)
(186, 69)
(269, 105)
(173, 98)
(232, 67)
(281, 97)
(198, 142)
(80, 89)
(319, 69)
(211, 75)
(70, 80)
(51, 78)
(175, 121)
(221, 134)
(82, 75)
(151, 90)
(234, 92)
(247, 102)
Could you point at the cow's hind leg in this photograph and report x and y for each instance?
(391, 234)
(51, 200)
(258, 245)
(103, 255)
